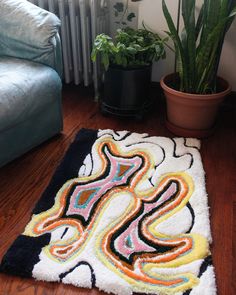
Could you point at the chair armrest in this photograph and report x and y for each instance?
(27, 31)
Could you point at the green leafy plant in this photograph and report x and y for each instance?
(199, 45)
(130, 48)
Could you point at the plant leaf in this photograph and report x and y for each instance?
(175, 37)
(199, 23)
(188, 12)
(119, 6)
(130, 16)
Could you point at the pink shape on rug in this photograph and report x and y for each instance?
(131, 232)
(103, 185)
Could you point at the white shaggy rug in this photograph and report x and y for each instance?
(124, 212)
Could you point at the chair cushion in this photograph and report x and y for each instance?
(25, 88)
(27, 31)
(24, 22)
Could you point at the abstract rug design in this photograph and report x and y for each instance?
(124, 212)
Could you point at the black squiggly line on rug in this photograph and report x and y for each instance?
(64, 232)
(147, 136)
(111, 135)
(92, 164)
(124, 137)
(163, 159)
(190, 146)
(207, 262)
(193, 217)
(179, 156)
(93, 277)
(150, 142)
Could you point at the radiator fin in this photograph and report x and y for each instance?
(81, 21)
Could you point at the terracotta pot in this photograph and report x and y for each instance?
(192, 115)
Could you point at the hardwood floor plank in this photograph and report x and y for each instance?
(23, 181)
(233, 277)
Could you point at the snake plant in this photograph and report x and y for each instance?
(199, 45)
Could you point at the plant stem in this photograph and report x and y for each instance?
(147, 28)
(125, 10)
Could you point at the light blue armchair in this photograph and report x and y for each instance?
(30, 83)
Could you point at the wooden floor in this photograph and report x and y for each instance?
(22, 182)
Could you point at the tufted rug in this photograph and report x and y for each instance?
(124, 212)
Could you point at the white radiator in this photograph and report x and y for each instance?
(81, 21)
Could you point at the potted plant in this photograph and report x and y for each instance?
(127, 61)
(194, 92)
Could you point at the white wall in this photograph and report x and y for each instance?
(115, 21)
(150, 11)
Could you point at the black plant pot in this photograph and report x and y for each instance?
(126, 91)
